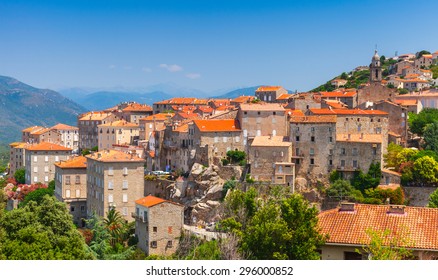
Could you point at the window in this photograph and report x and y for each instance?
(77, 179)
(330, 162)
(312, 138)
(237, 139)
(274, 132)
(110, 170)
(354, 151)
(82, 208)
(125, 211)
(225, 139)
(342, 151)
(312, 129)
(125, 197)
(330, 139)
(67, 180)
(110, 185)
(78, 193)
(125, 170)
(297, 138)
(46, 169)
(35, 158)
(72, 208)
(125, 185)
(216, 139)
(35, 179)
(46, 178)
(297, 151)
(110, 198)
(46, 158)
(342, 163)
(312, 151)
(35, 169)
(169, 244)
(259, 132)
(153, 244)
(155, 229)
(56, 158)
(67, 193)
(312, 161)
(330, 152)
(355, 163)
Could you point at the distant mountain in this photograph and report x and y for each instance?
(238, 92)
(22, 105)
(105, 99)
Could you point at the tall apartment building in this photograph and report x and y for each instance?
(158, 225)
(114, 180)
(40, 160)
(71, 187)
(69, 136)
(117, 133)
(88, 127)
(17, 158)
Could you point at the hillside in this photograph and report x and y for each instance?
(239, 92)
(22, 105)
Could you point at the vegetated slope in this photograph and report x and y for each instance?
(22, 105)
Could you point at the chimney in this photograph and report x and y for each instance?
(396, 209)
(346, 207)
(349, 136)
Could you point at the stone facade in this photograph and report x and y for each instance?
(117, 133)
(114, 180)
(71, 187)
(158, 225)
(17, 157)
(373, 93)
(88, 128)
(397, 120)
(304, 102)
(69, 136)
(151, 123)
(270, 93)
(40, 160)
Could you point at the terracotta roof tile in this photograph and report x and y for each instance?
(269, 88)
(61, 126)
(45, 146)
(150, 201)
(284, 96)
(243, 99)
(135, 107)
(217, 125)
(158, 117)
(75, 162)
(41, 131)
(32, 128)
(94, 116)
(325, 94)
(406, 102)
(121, 123)
(114, 156)
(183, 101)
(349, 227)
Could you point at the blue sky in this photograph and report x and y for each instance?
(206, 45)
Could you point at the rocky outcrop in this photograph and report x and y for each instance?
(203, 189)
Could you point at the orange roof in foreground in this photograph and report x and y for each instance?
(114, 156)
(338, 94)
(151, 200)
(217, 125)
(420, 224)
(45, 146)
(269, 88)
(346, 112)
(76, 162)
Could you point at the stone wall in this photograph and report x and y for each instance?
(373, 93)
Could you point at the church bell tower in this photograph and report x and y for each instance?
(375, 69)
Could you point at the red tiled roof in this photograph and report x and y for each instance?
(243, 99)
(420, 224)
(338, 94)
(184, 101)
(187, 115)
(346, 112)
(262, 107)
(217, 125)
(94, 116)
(32, 128)
(138, 108)
(158, 117)
(45, 146)
(335, 104)
(61, 126)
(114, 156)
(365, 138)
(284, 96)
(150, 201)
(121, 123)
(269, 88)
(406, 102)
(76, 162)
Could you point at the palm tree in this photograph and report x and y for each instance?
(115, 224)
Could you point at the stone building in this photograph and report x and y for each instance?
(347, 97)
(117, 133)
(176, 147)
(114, 180)
(40, 160)
(88, 127)
(17, 158)
(214, 138)
(158, 225)
(151, 123)
(424, 61)
(71, 187)
(69, 136)
(242, 99)
(270, 159)
(262, 119)
(166, 105)
(27, 132)
(304, 102)
(314, 139)
(397, 119)
(133, 112)
(375, 69)
(357, 151)
(270, 93)
(45, 135)
(348, 225)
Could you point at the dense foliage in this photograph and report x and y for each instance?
(40, 232)
(418, 122)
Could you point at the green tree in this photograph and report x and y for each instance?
(40, 232)
(385, 245)
(390, 157)
(431, 136)
(433, 199)
(425, 170)
(417, 122)
(420, 54)
(38, 195)
(344, 76)
(20, 176)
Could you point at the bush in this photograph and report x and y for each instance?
(236, 156)
(225, 162)
(150, 177)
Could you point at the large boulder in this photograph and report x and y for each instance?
(215, 192)
(209, 173)
(300, 184)
(196, 170)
